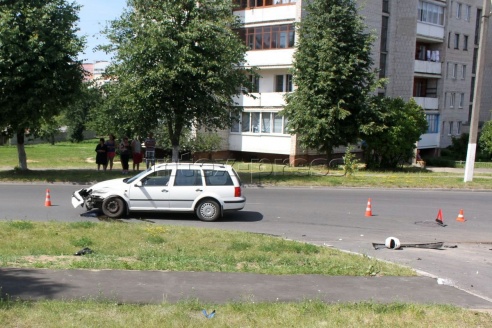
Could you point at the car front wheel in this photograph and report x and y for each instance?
(113, 207)
(208, 210)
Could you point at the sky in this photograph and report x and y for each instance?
(94, 15)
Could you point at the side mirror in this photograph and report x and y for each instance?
(138, 184)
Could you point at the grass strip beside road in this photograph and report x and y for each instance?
(75, 163)
(309, 313)
(142, 246)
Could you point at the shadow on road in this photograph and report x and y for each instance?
(19, 283)
(239, 216)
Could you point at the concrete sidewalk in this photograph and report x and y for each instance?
(154, 287)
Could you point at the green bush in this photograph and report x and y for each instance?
(439, 162)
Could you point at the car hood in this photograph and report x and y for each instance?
(107, 185)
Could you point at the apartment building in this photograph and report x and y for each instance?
(427, 49)
(95, 71)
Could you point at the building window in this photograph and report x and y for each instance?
(384, 34)
(382, 65)
(458, 10)
(432, 123)
(420, 87)
(472, 88)
(458, 127)
(279, 83)
(385, 6)
(463, 71)
(456, 41)
(465, 42)
(430, 13)
(235, 124)
(467, 12)
(264, 122)
(450, 131)
(288, 83)
(245, 120)
(477, 26)
(268, 37)
(455, 71)
(255, 83)
(277, 123)
(475, 60)
(255, 122)
(245, 4)
(462, 100)
(452, 98)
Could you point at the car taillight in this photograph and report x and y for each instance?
(237, 191)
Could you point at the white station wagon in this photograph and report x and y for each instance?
(209, 190)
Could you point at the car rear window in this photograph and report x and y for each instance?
(217, 178)
(188, 178)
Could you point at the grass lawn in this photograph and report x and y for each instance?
(310, 313)
(135, 246)
(67, 162)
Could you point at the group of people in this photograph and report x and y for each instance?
(106, 152)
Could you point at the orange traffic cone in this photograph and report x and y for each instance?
(461, 217)
(439, 219)
(368, 208)
(47, 201)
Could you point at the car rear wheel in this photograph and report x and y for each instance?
(208, 210)
(113, 207)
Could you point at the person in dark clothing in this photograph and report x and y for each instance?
(101, 155)
(125, 152)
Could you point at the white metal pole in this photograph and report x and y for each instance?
(477, 97)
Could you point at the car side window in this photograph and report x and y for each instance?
(217, 178)
(188, 178)
(157, 178)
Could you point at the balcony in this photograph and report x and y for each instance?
(265, 99)
(427, 103)
(262, 143)
(430, 32)
(272, 58)
(429, 140)
(265, 14)
(428, 67)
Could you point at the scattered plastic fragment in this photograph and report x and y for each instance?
(83, 251)
(209, 315)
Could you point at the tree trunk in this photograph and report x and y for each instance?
(175, 157)
(21, 152)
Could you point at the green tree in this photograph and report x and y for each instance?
(50, 128)
(485, 140)
(398, 127)
(77, 115)
(333, 73)
(176, 63)
(39, 72)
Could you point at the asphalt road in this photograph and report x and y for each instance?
(327, 216)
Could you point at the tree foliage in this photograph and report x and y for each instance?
(398, 126)
(485, 140)
(39, 72)
(77, 115)
(177, 63)
(333, 74)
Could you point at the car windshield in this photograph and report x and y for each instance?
(138, 176)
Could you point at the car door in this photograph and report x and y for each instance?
(187, 186)
(152, 193)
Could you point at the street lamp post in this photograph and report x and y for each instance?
(477, 96)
